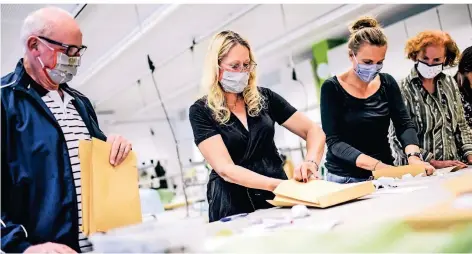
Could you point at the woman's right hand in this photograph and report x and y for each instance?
(444, 164)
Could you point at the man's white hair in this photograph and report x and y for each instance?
(39, 22)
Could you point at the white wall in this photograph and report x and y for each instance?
(300, 97)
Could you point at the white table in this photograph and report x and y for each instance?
(377, 208)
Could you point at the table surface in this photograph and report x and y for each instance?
(376, 208)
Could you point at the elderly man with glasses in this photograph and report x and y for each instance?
(43, 120)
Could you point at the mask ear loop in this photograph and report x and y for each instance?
(55, 51)
(54, 62)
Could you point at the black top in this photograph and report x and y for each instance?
(254, 149)
(354, 126)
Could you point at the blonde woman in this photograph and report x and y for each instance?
(233, 126)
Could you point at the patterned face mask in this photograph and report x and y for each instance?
(429, 71)
(64, 69)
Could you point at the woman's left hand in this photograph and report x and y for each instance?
(306, 171)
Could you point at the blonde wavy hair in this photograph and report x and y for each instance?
(220, 45)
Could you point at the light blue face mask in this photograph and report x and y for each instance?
(367, 72)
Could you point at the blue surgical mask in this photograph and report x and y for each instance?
(367, 72)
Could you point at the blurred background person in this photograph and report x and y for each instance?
(233, 127)
(464, 81)
(434, 103)
(357, 107)
(161, 173)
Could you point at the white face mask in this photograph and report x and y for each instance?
(429, 71)
(234, 82)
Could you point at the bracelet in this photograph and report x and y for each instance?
(312, 161)
(376, 165)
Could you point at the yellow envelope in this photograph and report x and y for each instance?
(286, 201)
(85, 154)
(115, 197)
(440, 217)
(398, 172)
(320, 193)
(459, 184)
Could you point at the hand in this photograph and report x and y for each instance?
(469, 159)
(449, 163)
(306, 170)
(119, 150)
(429, 169)
(49, 248)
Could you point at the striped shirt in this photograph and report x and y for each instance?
(439, 119)
(74, 130)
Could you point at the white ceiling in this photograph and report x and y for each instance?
(120, 36)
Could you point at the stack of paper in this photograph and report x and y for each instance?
(398, 172)
(110, 195)
(318, 193)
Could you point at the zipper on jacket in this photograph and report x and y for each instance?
(63, 138)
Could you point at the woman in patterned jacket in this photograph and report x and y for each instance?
(434, 102)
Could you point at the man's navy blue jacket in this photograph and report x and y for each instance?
(39, 202)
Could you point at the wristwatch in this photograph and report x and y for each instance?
(415, 154)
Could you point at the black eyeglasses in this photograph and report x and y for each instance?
(71, 50)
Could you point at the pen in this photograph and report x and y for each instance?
(233, 217)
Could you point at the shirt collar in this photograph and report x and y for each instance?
(43, 91)
(29, 82)
(54, 94)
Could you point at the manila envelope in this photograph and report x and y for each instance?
(320, 193)
(440, 217)
(285, 201)
(398, 172)
(85, 154)
(459, 184)
(115, 196)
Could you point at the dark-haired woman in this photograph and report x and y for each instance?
(464, 80)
